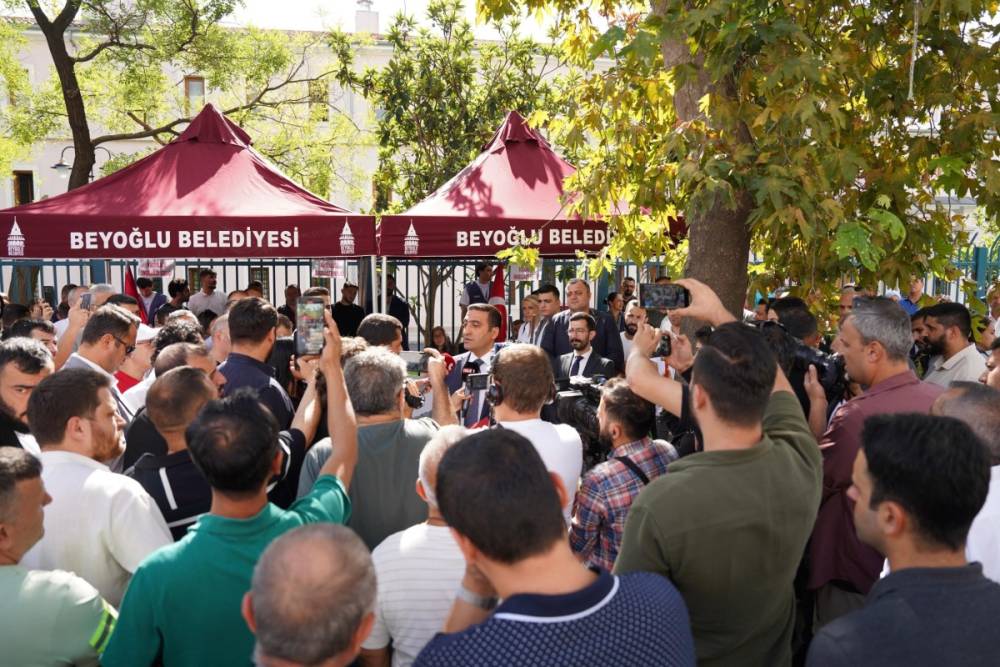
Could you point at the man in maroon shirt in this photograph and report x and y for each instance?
(875, 340)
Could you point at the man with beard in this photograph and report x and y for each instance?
(608, 489)
(948, 338)
(480, 329)
(582, 361)
(918, 354)
(100, 525)
(634, 316)
(23, 364)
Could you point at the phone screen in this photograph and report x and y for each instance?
(416, 363)
(309, 326)
(85, 300)
(663, 297)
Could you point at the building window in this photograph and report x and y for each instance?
(194, 93)
(24, 187)
(319, 100)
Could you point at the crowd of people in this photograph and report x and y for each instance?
(178, 488)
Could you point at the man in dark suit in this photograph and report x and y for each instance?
(479, 334)
(151, 301)
(583, 361)
(607, 340)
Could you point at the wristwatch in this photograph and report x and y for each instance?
(481, 601)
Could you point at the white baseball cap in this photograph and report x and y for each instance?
(146, 333)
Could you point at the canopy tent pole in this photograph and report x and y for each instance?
(373, 281)
(385, 280)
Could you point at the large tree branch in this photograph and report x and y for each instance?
(107, 45)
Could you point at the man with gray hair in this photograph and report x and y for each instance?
(418, 570)
(875, 341)
(312, 598)
(382, 498)
(979, 406)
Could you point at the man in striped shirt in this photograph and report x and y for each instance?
(607, 491)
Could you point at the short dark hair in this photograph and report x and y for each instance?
(610, 297)
(492, 314)
(586, 317)
(951, 314)
(285, 321)
(176, 287)
(787, 304)
(16, 465)
(493, 488)
(176, 355)
(23, 328)
(176, 396)
(178, 331)
(233, 442)
(736, 367)
(633, 413)
(257, 285)
(13, 312)
(525, 375)
(549, 288)
(316, 290)
(995, 345)
(481, 266)
(108, 320)
(380, 329)
(72, 392)
(143, 282)
(799, 322)
(935, 467)
(920, 314)
(250, 320)
(206, 272)
(27, 354)
(119, 299)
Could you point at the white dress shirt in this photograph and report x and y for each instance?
(99, 525)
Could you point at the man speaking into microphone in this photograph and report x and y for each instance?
(480, 330)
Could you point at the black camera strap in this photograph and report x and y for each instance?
(634, 467)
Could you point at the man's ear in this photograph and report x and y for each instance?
(246, 609)
(420, 490)
(361, 634)
(560, 489)
(276, 463)
(465, 545)
(892, 519)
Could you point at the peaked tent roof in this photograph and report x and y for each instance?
(206, 194)
(513, 189)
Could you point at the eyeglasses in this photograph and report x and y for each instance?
(129, 349)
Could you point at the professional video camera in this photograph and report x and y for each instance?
(795, 358)
(577, 400)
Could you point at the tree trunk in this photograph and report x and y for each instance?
(718, 235)
(83, 153)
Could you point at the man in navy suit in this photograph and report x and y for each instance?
(480, 329)
(583, 361)
(150, 301)
(607, 341)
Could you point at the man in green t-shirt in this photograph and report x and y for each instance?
(182, 606)
(728, 525)
(46, 618)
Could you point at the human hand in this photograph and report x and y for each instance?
(305, 369)
(436, 369)
(814, 389)
(681, 355)
(459, 398)
(476, 582)
(705, 303)
(77, 317)
(333, 346)
(645, 340)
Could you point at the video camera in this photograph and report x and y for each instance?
(795, 358)
(576, 403)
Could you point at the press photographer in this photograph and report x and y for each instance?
(728, 525)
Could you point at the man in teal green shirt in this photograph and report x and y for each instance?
(182, 606)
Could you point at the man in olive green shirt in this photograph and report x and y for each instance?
(182, 606)
(46, 618)
(728, 525)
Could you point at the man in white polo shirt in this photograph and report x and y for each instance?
(100, 525)
(418, 570)
(947, 336)
(207, 298)
(522, 384)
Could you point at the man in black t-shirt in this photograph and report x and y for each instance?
(346, 313)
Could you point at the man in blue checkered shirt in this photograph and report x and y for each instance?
(607, 491)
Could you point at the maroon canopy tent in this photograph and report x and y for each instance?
(511, 193)
(207, 194)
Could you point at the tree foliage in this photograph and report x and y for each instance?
(120, 67)
(805, 108)
(437, 101)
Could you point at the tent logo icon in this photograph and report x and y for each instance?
(411, 242)
(15, 241)
(346, 240)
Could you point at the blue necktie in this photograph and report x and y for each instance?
(575, 368)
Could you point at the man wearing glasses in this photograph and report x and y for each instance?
(107, 339)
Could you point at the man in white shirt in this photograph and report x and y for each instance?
(634, 316)
(418, 570)
(947, 336)
(107, 339)
(207, 298)
(23, 364)
(979, 407)
(522, 384)
(74, 301)
(100, 525)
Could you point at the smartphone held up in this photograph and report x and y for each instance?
(669, 296)
(309, 326)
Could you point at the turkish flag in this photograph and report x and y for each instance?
(133, 291)
(498, 299)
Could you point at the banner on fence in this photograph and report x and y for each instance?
(156, 268)
(329, 268)
(520, 273)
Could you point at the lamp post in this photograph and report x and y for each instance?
(63, 168)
